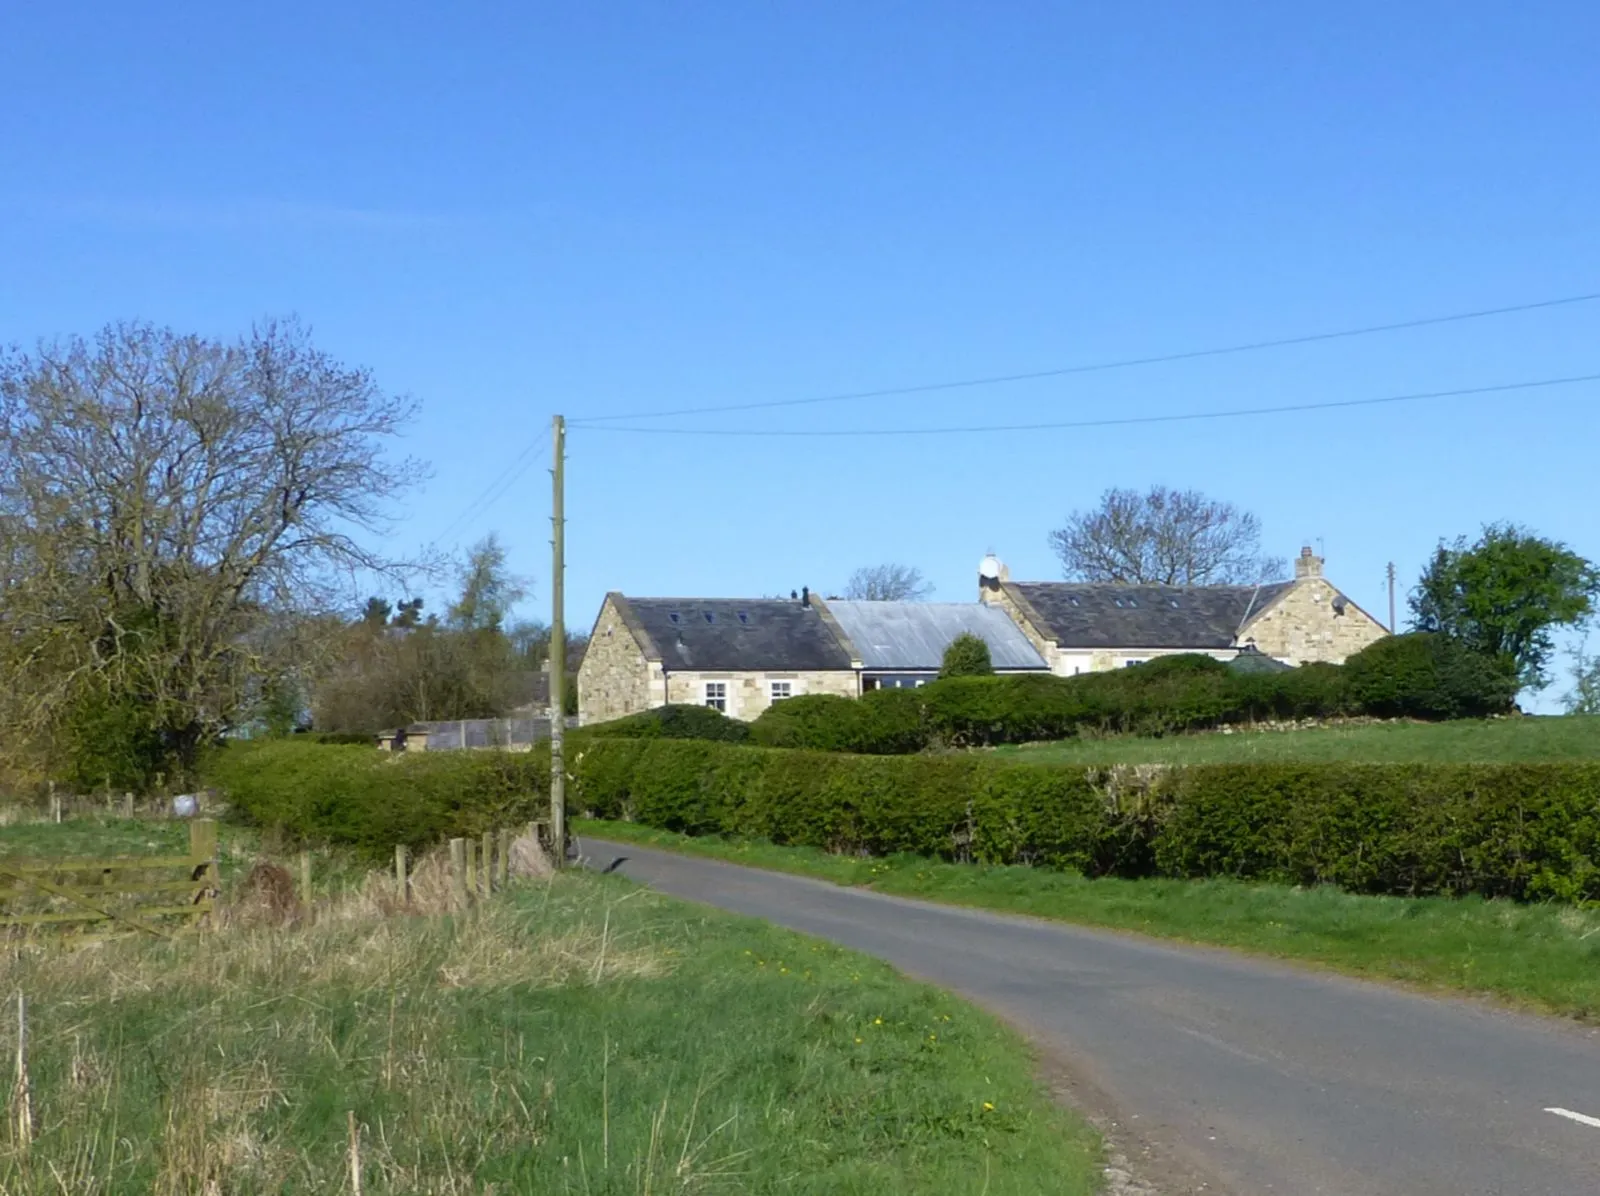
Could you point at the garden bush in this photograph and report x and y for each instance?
(882, 722)
(1426, 676)
(675, 722)
(967, 656)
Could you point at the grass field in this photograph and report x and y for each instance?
(1544, 956)
(1509, 740)
(577, 1036)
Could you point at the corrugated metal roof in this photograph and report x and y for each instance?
(914, 635)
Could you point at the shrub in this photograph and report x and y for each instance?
(967, 656)
(117, 741)
(674, 722)
(881, 722)
(1427, 676)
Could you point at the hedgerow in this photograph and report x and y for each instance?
(1526, 831)
(1409, 676)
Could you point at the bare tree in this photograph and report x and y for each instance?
(172, 509)
(887, 583)
(1170, 537)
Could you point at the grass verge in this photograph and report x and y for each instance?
(1469, 741)
(578, 1036)
(1543, 956)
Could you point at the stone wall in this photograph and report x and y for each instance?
(614, 679)
(1001, 598)
(1302, 626)
(749, 693)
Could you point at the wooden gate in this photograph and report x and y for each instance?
(150, 894)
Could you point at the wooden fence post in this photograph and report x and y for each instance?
(127, 805)
(203, 851)
(55, 803)
(472, 868)
(488, 865)
(458, 870)
(305, 881)
(505, 857)
(402, 875)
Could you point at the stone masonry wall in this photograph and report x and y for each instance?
(1045, 648)
(750, 693)
(1302, 628)
(614, 678)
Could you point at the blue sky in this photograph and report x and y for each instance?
(508, 211)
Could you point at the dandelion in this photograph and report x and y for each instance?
(988, 1106)
(877, 1021)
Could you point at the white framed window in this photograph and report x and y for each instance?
(779, 690)
(717, 695)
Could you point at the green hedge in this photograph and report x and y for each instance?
(1530, 832)
(1409, 676)
(367, 800)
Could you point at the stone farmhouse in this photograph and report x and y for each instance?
(1081, 628)
(741, 655)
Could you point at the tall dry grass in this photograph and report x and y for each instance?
(183, 1065)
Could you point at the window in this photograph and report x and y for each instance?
(781, 690)
(1130, 663)
(717, 695)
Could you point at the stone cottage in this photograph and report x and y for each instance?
(741, 655)
(735, 655)
(1085, 627)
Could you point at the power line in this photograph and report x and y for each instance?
(1095, 367)
(1119, 421)
(498, 487)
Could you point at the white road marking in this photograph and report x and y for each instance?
(1581, 1118)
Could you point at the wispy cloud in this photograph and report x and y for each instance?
(228, 214)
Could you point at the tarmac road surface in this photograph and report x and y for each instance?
(1221, 1073)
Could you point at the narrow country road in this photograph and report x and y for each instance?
(1225, 1074)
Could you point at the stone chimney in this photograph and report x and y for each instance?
(991, 573)
(1307, 565)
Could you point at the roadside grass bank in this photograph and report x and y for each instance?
(579, 1035)
(1530, 739)
(1543, 956)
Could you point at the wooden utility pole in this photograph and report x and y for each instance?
(558, 648)
(1391, 597)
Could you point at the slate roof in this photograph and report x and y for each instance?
(912, 636)
(1103, 615)
(736, 634)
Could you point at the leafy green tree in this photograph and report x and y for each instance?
(967, 656)
(1504, 595)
